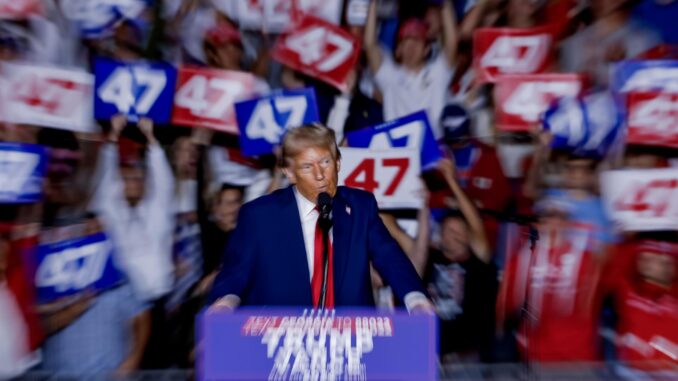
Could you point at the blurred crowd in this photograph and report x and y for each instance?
(523, 241)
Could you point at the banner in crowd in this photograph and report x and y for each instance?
(187, 257)
(522, 99)
(98, 18)
(19, 9)
(391, 175)
(276, 16)
(48, 97)
(133, 89)
(652, 119)
(263, 121)
(498, 51)
(205, 97)
(356, 12)
(640, 75)
(261, 344)
(642, 200)
(71, 265)
(22, 172)
(411, 131)
(319, 49)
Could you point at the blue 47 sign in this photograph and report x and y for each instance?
(22, 171)
(411, 131)
(71, 266)
(263, 121)
(134, 89)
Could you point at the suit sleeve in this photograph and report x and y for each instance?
(238, 259)
(388, 258)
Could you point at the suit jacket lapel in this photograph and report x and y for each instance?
(292, 241)
(342, 228)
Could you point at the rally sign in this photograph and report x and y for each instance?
(48, 96)
(411, 131)
(187, 257)
(22, 171)
(642, 200)
(73, 265)
(639, 75)
(97, 18)
(392, 175)
(652, 119)
(205, 97)
(522, 99)
(256, 344)
(19, 9)
(134, 89)
(263, 121)
(319, 49)
(498, 51)
(276, 16)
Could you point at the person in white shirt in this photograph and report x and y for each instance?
(411, 82)
(135, 204)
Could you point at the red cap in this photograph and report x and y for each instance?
(223, 33)
(413, 28)
(657, 247)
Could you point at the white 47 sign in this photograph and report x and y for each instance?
(391, 175)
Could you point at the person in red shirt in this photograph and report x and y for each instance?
(550, 289)
(642, 281)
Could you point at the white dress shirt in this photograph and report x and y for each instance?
(308, 216)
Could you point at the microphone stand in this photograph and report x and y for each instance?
(325, 225)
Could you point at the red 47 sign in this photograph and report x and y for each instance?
(19, 9)
(498, 51)
(391, 175)
(641, 200)
(47, 96)
(652, 119)
(319, 49)
(522, 99)
(205, 98)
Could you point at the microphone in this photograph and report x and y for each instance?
(325, 208)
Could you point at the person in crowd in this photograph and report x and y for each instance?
(254, 268)
(641, 278)
(412, 82)
(550, 289)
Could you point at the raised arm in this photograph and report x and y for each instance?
(450, 32)
(478, 239)
(372, 48)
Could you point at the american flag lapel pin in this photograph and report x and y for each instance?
(348, 210)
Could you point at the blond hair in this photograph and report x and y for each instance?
(310, 135)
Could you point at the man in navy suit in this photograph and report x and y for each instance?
(275, 257)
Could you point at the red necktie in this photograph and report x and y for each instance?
(317, 279)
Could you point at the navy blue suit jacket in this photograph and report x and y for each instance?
(265, 261)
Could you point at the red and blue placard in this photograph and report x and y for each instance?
(263, 121)
(261, 344)
(22, 171)
(411, 131)
(72, 266)
(134, 89)
(638, 75)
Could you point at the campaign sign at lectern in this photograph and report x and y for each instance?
(264, 344)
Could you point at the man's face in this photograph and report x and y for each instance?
(227, 206)
(313, 171)
(657, 268)
(454, 239)
(579, 174)
(134, 180)
(227, 56)
(412, 51)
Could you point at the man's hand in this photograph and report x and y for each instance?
(448, 168)
(146, 126)
(425, 307)
(118, 123)
(227, 303)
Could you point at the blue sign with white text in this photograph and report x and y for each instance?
(261, 344)
(134, 89)
(73, 265)
(411, 131)
(22, 171)
(263, 121)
